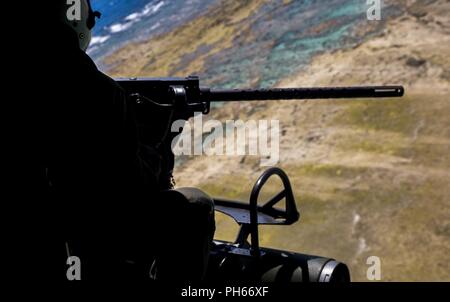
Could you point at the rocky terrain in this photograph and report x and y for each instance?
(370, 177)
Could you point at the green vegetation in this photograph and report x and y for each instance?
(388, 115)
(329, 170)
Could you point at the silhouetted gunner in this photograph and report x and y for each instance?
(104, 184)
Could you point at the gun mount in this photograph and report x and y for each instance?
(247, 261)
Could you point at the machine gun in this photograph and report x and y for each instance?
(243, 260)
(186, 93)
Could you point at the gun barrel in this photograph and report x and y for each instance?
(230, 95)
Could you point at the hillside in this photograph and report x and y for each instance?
(370, 177)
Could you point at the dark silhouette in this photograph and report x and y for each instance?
(103, 190)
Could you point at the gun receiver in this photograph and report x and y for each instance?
(186, 92)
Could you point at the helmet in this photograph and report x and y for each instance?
(79, 16)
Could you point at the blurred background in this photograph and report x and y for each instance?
(370, 178)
